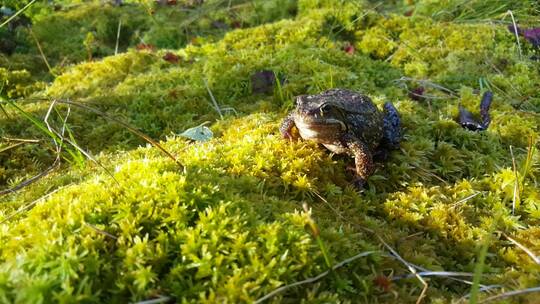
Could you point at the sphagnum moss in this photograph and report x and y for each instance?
(231, 227)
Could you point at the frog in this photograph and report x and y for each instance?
(346, 122)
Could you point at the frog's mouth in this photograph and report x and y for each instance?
(313, 128)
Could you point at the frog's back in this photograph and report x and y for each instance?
(364, 120)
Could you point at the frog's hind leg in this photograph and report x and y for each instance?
(392, 127)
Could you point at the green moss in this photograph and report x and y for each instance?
(231, 226)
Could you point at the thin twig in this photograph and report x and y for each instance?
(161, 299)
(516, 197)
(435, 274)
(483, 288)
(314, 279)
(55, 164)
(32, 179)
(531, 254)
(430, 173)
(511, 293)
(101, 231)
(28, 206)
(127, 126)
(216, 106)
(466, 199)
(118, 36)
(4, 110)
(509, 12)
(2, 150)
(42, 54)
(411, 268)
(23, 140)
(329, 205)
(427, 83)
(17, 13)
(75, 145)
(422, 269)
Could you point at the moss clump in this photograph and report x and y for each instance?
(231, 226)
(196, 235)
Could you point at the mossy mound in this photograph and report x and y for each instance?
(249, 212)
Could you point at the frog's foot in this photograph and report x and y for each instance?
(392, 127)
(286, 127)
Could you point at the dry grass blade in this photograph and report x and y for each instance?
(411, 268)
(435, 274)
(55, 164)
(41, 53)
(463, 200)
(4, 111)
(511, 294)
(533, 256)
(214, 102)
(32, 179)
(72, 143)
(11, 147)
(516, 197)
(483, 288)
(161, 299)
(428, 83)
(329, 205)
(23, 140)
(450, 275)
(314, 279)
(509, 12)
(117, 37)
(430, 174)
(127, 126)
(105, 233)
(28, 206)
(17, 13)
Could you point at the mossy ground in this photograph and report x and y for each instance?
(230, 226)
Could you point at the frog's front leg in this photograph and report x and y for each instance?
(286, 127)
(362, 157)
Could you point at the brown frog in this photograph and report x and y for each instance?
(345, 121)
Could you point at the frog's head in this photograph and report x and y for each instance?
(319, 118)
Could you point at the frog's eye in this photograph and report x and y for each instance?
(325, 108)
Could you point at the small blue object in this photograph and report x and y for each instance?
(198, 133)
(6, 11)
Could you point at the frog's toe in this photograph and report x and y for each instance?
(392, 126)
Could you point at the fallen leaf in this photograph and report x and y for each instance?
(532, 35)
(145, 47)
(383, 282)
(198, 133)
(349, 48)
(171, 57)
(417, 94)
(220, 25)
(263, 81)
(236, 24)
